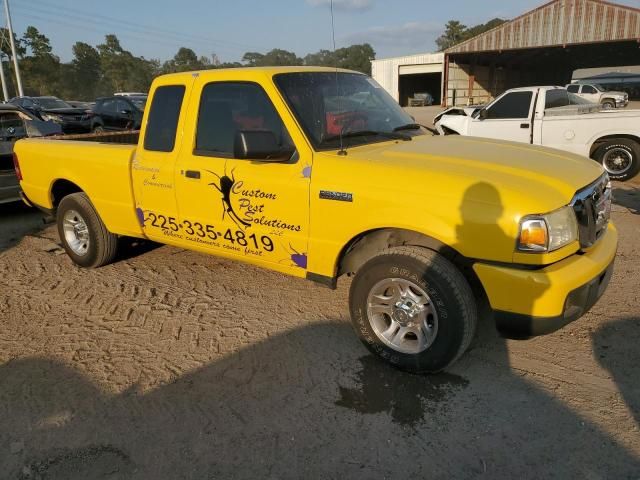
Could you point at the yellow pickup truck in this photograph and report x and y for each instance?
(318, 173)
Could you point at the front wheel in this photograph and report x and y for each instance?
(413, 308)
(620, 157)
(608, 104)
(83, 234)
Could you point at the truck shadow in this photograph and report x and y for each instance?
(615, 346)
(628, 198)
(300, 404)
(16, 221)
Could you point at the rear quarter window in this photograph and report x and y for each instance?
(162, 124)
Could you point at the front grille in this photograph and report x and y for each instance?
(592, 206)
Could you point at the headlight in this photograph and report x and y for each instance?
(546, 233)
(53, 118)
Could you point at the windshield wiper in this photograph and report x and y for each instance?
(367, 133)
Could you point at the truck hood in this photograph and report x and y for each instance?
(464, 111)
(614, 93)
(549, 176)
(64, 111)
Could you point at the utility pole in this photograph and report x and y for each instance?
(3, 80)
(13, 48)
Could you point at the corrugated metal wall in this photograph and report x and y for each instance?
(386, 71)
(561, 22)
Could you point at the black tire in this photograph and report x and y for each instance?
(101, 247)
(609, 104)
(449, 293)
(629, 153)
(98, 129)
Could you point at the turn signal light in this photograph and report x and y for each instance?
(534, 236)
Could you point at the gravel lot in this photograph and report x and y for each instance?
(173, 364)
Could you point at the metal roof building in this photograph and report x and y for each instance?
(404, 76)
(543, 46)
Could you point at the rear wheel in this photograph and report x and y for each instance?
(620, 157)
(98, 129)
(413, 308)
(83, 234)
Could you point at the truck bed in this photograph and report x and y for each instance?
(79, 160)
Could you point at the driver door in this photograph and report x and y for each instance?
(508, 118)
(254, 209)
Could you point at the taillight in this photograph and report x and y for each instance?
(16, 165)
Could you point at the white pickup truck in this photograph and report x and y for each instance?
(553, 117)
(595, 93)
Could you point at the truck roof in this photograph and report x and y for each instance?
(269, 71)
(536, 87)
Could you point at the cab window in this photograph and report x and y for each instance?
(573, 88)
(588, 89)
(162, 124)
(556, 98)
(229, 107)
(512, 105)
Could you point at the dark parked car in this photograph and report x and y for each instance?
(79, 104)
(72, 120)
(15, 124)
(118, 113)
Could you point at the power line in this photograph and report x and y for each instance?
(92, 29)
(138, 27)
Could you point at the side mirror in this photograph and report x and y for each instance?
(260, 145)
(483, 114)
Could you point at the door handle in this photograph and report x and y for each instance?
(192, 174)
(524, 125)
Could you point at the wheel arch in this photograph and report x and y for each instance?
(62, 187)
(598, 142)
(366, 245)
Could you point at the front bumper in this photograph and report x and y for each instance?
(530, 302)
(622, 103)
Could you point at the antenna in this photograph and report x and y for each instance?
(342, 151)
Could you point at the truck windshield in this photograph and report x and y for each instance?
(330, 105)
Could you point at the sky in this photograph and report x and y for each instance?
(157, 28)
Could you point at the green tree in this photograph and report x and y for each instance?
(185, 60)
(354, 57)
(115, 63)
(41, 69)
(252, 59)
(454, 33)
(273, 58)
(484, 27)
(84, 73)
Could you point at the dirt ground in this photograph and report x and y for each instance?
(173, 364)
